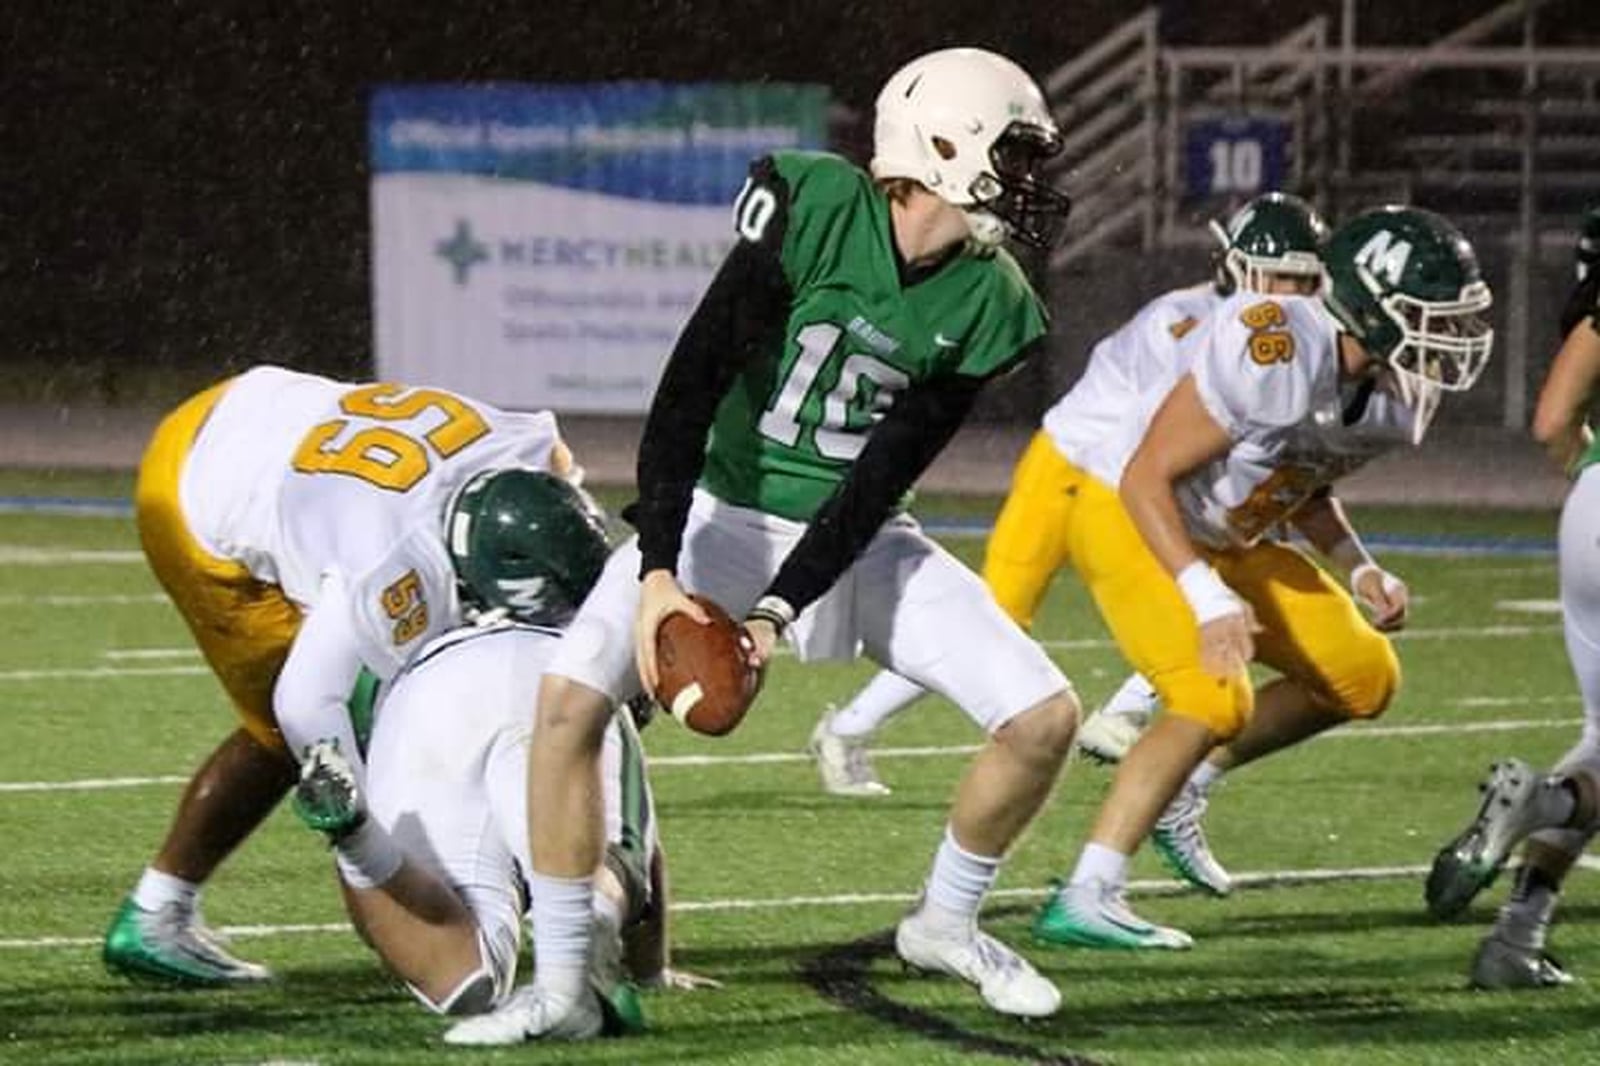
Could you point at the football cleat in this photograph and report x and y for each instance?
(1093, 914)
(1500, 964)
(1470, 863)
(843, 762)
(173, 944)
(532, 1014)
(326, 797)
(1107, 734)
(1180, 840)
(1007, 982)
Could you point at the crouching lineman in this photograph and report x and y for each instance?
(299, 526)
(432, 845)
(1281, 397)
(1559, 813)
(1269, 246)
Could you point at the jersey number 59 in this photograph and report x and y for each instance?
(383, 455)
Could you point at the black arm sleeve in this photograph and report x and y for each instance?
(745, 308)
(900, 448)
(1584, 302)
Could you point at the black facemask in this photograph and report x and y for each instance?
(1034, 212)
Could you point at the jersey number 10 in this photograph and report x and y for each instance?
(848, 410)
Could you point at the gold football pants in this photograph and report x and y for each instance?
(243, 626)
(1312, 630)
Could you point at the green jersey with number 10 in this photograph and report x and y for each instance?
(856, 335)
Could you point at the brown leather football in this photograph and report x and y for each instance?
(705, 680)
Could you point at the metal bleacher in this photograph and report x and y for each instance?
(1495, 124)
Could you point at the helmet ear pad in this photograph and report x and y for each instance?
(525, 543)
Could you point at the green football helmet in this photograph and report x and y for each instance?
(525, 544)
(1406, 284)
(1275, 233)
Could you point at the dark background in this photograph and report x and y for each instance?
(185, 184)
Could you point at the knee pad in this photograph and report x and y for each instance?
(1364, 688)
(1222, 705)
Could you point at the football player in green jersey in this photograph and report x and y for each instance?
(837, 350)
(1557, 814)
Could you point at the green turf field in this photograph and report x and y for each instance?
(786, 894)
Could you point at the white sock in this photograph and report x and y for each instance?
(560, 909)
(958, 882)
(886, 694)
(368, 856)
(1135, 697)
(156, 890)
(1205, 775)
(1099, 863)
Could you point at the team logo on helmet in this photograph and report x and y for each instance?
(1407, 285)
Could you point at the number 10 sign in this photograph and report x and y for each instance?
(1234, 157)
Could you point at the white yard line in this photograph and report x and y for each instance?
(1154, 887)
(97, 600)
(27, 555)
(91, 784)
(763, 758)
(120, 654)
(96, 673)
(1542, 606)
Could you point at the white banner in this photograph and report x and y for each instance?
(545, 263)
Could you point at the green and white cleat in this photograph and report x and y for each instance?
(1500, 964)
(1093, 914)
(1180, 840)
(1470, 863)
(326, 798)
(173, 944)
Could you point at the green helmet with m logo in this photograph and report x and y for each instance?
(525, 543)
(1406, 284)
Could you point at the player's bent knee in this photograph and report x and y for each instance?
(1367, 690)
(1047, 728)
(1222, 706)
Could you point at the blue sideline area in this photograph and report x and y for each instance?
(1411, 544)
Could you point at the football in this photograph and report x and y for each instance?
(704, 679)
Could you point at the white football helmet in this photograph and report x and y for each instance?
(972, 127)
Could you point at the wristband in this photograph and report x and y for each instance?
(1209, 598)
(775, 611)
(1391, 584)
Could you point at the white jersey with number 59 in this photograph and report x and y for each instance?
(336, 493)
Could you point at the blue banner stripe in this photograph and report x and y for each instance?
(688, 143)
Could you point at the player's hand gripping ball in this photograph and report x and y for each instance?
(706, 681)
